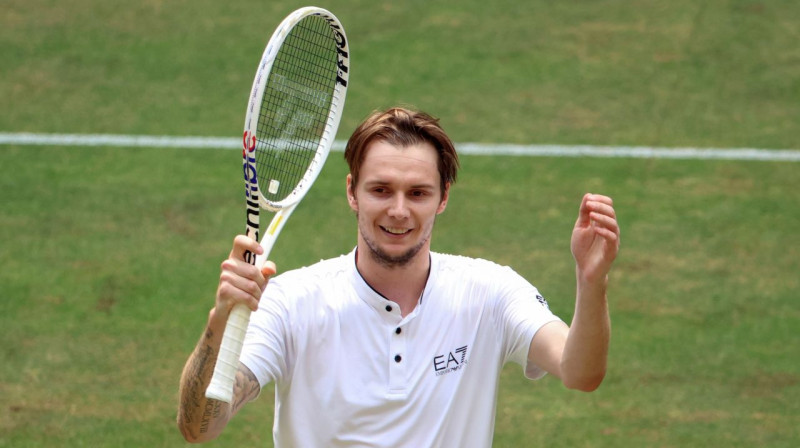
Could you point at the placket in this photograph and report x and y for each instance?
(397, 355)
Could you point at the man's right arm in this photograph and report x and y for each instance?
(199, 418)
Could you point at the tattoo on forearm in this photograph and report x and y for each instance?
(212, 410)
(202, 359)
(193, 395)
(245, 387)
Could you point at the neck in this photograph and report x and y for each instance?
(401, 284)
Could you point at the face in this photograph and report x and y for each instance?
(397, 198)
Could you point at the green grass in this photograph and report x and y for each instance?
(110, 256)
(720, 73)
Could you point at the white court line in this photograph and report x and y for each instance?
(641, 152)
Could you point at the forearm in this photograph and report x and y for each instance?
(583, 365)
(201, 419)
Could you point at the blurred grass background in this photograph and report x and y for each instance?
(110, 256)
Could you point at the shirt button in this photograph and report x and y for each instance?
(398, 358)
(397, 330)
(389, 308)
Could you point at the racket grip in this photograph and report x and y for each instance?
(221, 385)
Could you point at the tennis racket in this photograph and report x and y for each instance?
(293, 113)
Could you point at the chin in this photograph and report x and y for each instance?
(394, 257)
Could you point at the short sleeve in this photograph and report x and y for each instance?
(523, 311)
(266, 344)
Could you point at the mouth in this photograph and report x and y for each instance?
(395, 230)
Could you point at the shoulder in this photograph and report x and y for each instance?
(459, 265)
(481, 273)
(317, 280)
(452, 261)
(323, 269)
(463, 281)
(477, 275)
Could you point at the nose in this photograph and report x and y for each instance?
(398, 208)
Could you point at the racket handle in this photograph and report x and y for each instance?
(221, 385)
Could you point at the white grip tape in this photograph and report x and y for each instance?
(221, 386)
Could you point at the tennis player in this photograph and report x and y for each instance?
(392, 344)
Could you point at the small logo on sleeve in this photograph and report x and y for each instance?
(450, 361)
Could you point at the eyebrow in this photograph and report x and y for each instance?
(417, 186)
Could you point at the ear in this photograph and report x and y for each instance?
(351, 194)
(445, 197)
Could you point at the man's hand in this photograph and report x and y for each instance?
(595, 238)
(240, 282)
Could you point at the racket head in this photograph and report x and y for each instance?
(295, 107)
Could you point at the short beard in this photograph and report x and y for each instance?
(392, 261)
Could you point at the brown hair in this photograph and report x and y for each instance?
(402, 127)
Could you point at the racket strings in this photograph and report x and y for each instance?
(294, 110)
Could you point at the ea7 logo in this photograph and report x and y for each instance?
(542, 301)
(451, 362)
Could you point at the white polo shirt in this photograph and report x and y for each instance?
(350, 371)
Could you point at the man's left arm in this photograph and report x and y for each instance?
(578, 354)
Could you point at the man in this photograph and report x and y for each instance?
(393, 344)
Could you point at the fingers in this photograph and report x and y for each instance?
(269, 269)
(597, 213)
(594, 203)
(243, 244)
(602, 217)
(604, 225)
(598, 204)
(240, 282)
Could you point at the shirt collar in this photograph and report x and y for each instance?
(376, 300)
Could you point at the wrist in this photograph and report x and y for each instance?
(590, 278)
(216, 324)
(591, 285)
